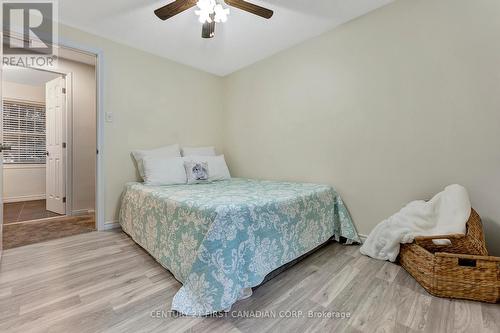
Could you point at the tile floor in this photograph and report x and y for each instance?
(25, 211)
(20, 234)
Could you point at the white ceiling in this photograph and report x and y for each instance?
(26, 76)
(241, 41)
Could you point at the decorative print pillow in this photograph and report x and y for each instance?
(196, 172)
(217, 166)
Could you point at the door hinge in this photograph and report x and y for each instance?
(64, 200)
(63, 90)
(64, 144)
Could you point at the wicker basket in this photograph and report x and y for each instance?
(465, 271)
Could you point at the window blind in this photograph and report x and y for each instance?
(24, 130)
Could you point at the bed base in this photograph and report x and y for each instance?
(292, 263)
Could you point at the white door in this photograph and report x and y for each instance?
(55, 109)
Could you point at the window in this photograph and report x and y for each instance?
(24, 130)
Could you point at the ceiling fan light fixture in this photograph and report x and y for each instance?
(210, 12)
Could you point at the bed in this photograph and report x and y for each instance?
(223, 238)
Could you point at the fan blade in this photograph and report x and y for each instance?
(251, 8)
(174, 8)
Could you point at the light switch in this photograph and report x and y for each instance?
(109, 117)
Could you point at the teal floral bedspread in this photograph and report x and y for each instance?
(222, 238)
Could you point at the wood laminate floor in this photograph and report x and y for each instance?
(25, 233)
(103, 282)
(26, 211)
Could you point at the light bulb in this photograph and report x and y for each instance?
(221, 13)
(207, 8)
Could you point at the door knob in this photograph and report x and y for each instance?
(5, 147)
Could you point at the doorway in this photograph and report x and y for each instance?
(26, 131)
(50, 169)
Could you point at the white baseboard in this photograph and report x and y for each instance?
(80, 212)
(363, 238)
(25, 198)
(112, 225)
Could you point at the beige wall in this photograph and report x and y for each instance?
(84, 133)
(155, 102)
(389, 108)
(24, 92)
(23, 182)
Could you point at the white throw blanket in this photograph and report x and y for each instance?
(446, 213)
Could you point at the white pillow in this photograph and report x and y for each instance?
(164, 171)
(167, 152)
(198, 151)
(217, 167)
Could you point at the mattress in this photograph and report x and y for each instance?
(222, 238)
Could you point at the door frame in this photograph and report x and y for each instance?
(100, 119)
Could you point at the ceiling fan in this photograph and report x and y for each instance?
(211, 12)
